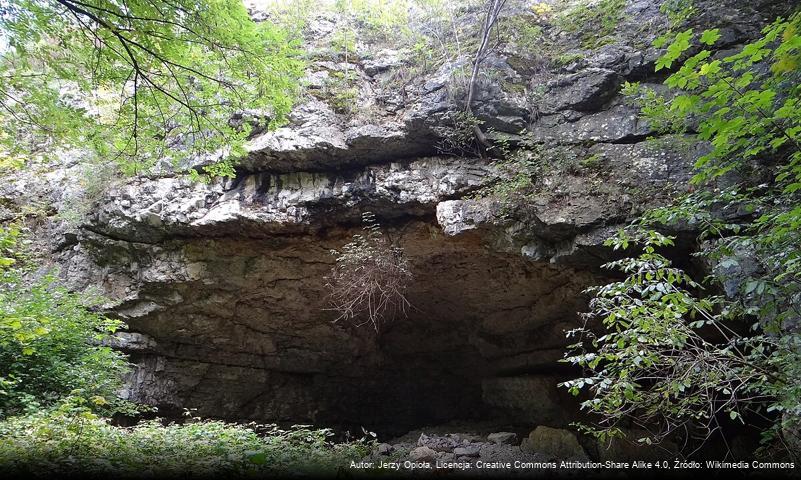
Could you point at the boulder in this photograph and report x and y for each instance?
(385, 449)
(422, 454)
(493, 452)
(437, 443)
(503, 438)
(469, 450)
(556, 442)
(385, 60)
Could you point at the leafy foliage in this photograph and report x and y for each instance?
(384, 19)
(668, 354)
(138, 80)
(369, 281)
(746, 106)
(73, 440)
(50, 344)
(668, 359)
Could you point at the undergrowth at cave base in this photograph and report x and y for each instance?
(71, 440)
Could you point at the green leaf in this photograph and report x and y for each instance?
(710, 68)
(680, 44)
(709, 37)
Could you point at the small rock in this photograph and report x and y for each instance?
(492, 451)
(553, 441)
(446, 457)
(422, 454)
(385, 449)
(502, 438)
(439, 444)
(470, 450)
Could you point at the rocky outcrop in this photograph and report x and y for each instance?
(261, 204)
(223, 285)
(317, 140)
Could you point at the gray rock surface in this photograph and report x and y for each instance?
(587, 90)
(385, 449)
(439, 443)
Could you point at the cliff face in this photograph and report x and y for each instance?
(222, 283)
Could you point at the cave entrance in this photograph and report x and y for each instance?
(248, 337)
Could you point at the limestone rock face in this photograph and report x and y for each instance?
(586, 90)
(317, 140)
(222, 284)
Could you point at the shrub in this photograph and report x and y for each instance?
(457, 137)
(50, 344)
(669, 360)
(368, 283)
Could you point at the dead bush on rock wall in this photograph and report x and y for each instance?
(457, 136)
(368, 283)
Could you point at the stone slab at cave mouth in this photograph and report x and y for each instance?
(247, 336)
